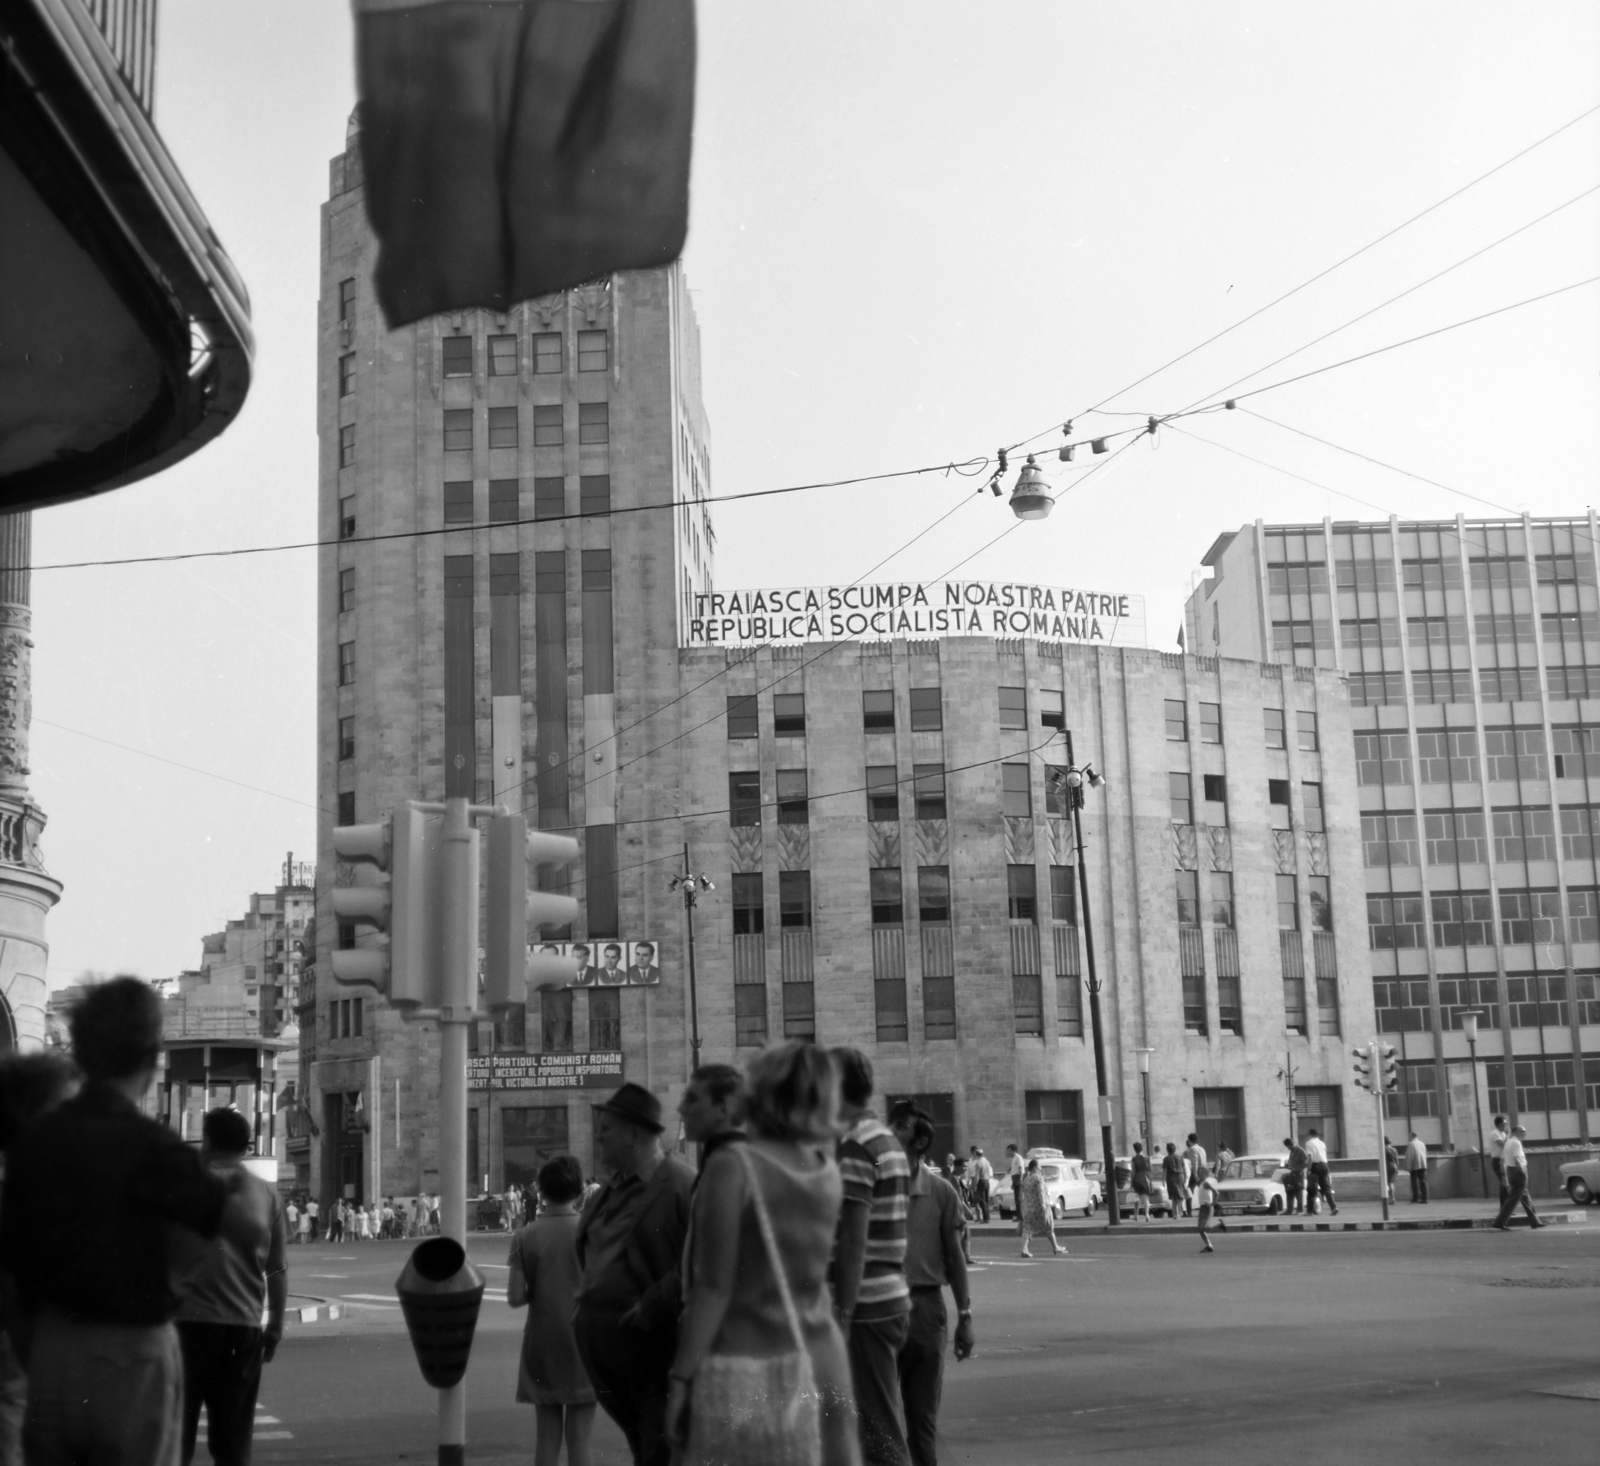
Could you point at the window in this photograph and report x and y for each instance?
(1054, 1117)
(1463, 919)
(1320, 897)
(1389, 839)
(1580, 824)
(458, 502)
(458, 430)
(347, 445)
(549, 497)
(594, 493)
(1528, 917)
(547, 351)
(938, 1006)
(347, 590)
(877, 712)
(750, 1015)
(789, 714)
(503, 501)
(793, 808)
(794, 899)
(927, 711)
(1063, 896)
(1514, 753)
(347, 374)
(502, 356)
(1394, 923)
(502, 427)
(889, 1001)
(1016, 796)
(605, 1019)
(1210, 722)
(347, 807)
(1456, 836)
(1187, 884)
(1057, 794)
(1583, 914)
(1216, 792)
(887, 904)
(547, 426)
(1288, 904)
(1311, 806)
(347, 663)
(347, 518)
(555, 1020)
(1027, 1003)
(1307, 723)
(933, 894)
(1052, 712)
(883, 794)
(1524, 834)
(1577, 751)
(1178, 794)
(743, 720)
(1022, 900)
(1014, 707)
(744, 798)
(928, 789)
(458, 356)
(799, 1010)
(347, 738)
(1278, 792)
(1272, 726)
(594, 422)
(347, 299)
(593, 351)
(1218, 1119)
(749, 906)
(1383, 758)
(1220, 884)
(1177, 721)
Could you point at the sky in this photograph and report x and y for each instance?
(918, 232)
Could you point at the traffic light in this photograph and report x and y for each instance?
(399, 896)
(508, 967)
(1363, 1067)
(1388, 1069)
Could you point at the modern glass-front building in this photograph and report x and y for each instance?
(1471, 649)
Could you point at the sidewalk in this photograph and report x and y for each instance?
(1458, 1214)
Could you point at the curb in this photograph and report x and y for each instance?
(1444, 1224)
(315, 1310)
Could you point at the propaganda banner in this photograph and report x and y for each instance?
(544, 1071)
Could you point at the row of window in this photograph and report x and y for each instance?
(1214, 789)
(886, 895)
(546, 353)
(1273, 725)
(878, 712)
(1504, 684)
(1548, 1085)
(549, 426)
(1535, 1000)
(1451, 755)
(1466, 919)
(505, 498)
(1464, 836)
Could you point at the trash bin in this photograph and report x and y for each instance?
(440, 1293)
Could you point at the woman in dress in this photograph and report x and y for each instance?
(1036, 1217)
(1141, 1182)
(544, 1276)
(363, 1226)
(737, 1307)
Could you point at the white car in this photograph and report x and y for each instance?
(1066, 1187)
(1581, 1181)
(1251, 1183)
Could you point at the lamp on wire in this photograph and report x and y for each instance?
(1029, 499)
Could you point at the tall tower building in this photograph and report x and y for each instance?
(1472, 653)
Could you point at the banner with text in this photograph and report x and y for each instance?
(544, 1071)
(915, 609)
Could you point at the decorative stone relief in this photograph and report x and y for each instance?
(883, 845)
(1058, 841)
(932, 839)
(16, 695)
(1183, 847)
(1283, 851)
(744, 846)
(1019, 840)
(794, 847)
(1316, 852)
(593, 300)
(1220, 839)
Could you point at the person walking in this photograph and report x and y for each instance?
(1173, 1173)
(1320, 1185)
(314, 1212)
(630, 1239)
(543, 1278)
(363, 1226)
(336, 1222)
(1194, 1159)
(1016, 1168)
(92, 1189)
(1417, 1165)
(870, 1290)
(755, 1281)
(1497, 1153)
(935, 1259)
(1516, 1164)
(982, 1173)
(304, 1224)
(292, 1212)
(1037, 1218)
(1205, 1191)
(223, 1293)
(1391, 1169)
(1140, 1166)
(1294, 1181)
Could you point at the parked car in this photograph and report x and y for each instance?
(1581, 1181)
(1067, 1187)
(1252, 1183)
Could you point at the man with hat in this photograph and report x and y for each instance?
(1516, 1163)
(629, 1244)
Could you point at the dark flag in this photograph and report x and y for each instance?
(1181, 646)
(514, 148)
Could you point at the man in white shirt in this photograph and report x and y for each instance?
(1017, 1169)
(982, 1174)
(1417, 1165)
(1516, 1163)
(1497, 1152)
(1319, 1186)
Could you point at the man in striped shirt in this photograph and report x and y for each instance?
(870, 1292)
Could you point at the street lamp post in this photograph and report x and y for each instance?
(1144, 1080)
(1469, 1026)
(691, 886)
(1076, 781)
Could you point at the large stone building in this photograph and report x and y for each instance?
(1472, 653)
(517, 609)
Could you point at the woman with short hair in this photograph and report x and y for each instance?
(1037, 1219)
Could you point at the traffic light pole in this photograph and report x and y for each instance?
(1377, 1103)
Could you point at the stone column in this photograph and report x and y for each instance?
(27, 891)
